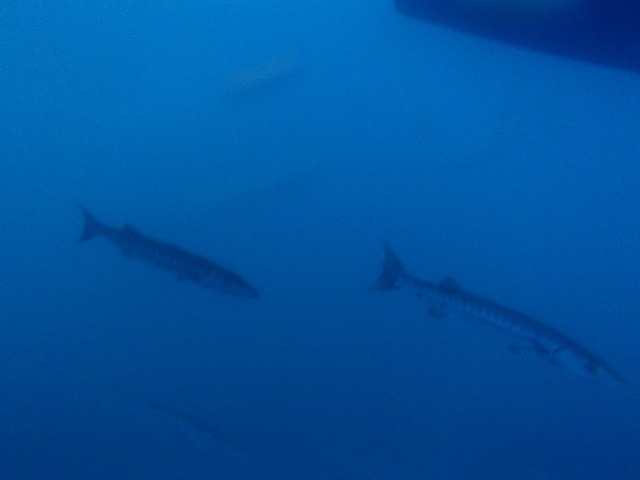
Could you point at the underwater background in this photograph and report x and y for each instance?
(287, 140)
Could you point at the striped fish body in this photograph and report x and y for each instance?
(447, 299)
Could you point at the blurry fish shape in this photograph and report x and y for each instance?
(447, 299)
(185, 264)
(203, 431)
(258, 81)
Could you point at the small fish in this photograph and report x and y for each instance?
(447, 299)
(184, 264)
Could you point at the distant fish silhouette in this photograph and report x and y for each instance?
(205, 432)
(253, 83)
(184, 264)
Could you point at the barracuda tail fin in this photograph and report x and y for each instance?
(92, 227)
(392, 271)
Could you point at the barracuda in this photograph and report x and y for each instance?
(184, 264)
(447, 299)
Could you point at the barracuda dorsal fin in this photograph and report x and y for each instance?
(449, 283)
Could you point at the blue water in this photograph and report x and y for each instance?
(285, 140)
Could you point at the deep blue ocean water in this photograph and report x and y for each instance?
(286, 140)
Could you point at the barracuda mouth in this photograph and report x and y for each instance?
(575, 363)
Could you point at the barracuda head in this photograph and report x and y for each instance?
(584, 365)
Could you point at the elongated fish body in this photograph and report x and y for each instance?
(447, 299)
(206, 433)
(184, 264)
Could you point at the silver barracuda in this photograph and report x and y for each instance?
(184, 264)
(447, 299)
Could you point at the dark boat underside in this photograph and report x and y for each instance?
(605, 32)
